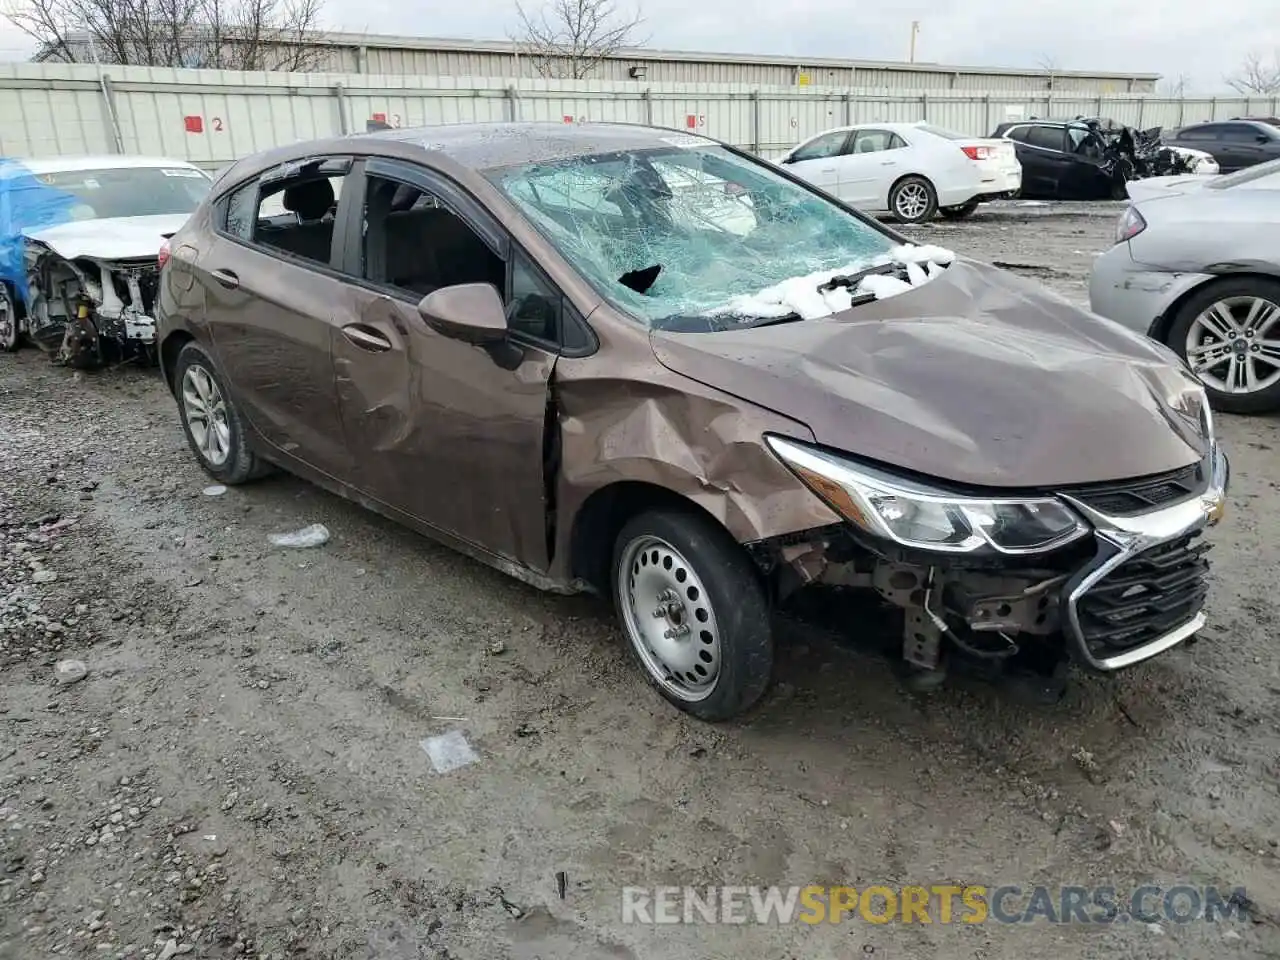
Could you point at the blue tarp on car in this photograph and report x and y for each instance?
(25, 203)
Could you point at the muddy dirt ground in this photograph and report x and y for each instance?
(240, 772)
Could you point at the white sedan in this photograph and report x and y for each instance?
(909, 170)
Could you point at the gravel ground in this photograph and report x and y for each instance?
(240, 774)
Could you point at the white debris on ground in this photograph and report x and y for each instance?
(448, 751)
(804, 296)
(214, 490)
(315, 535)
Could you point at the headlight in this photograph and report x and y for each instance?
(914, 515)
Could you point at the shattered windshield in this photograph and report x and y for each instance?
(130, 191)
(676, 232)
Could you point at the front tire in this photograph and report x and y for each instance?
(694, 612)
(214, 428)
(913, 200)
(1229, 334)
(10, 336)
(960, 212)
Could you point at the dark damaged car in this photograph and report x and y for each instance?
(1093, 158)
(80, 251)
(633, 361)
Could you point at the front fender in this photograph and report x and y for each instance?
(684, 438)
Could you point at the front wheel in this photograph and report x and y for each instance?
(9, 335)
(1229, 334)
(960, 212)
(694, 612)
(913, 200)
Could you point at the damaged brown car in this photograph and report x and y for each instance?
(633, 361)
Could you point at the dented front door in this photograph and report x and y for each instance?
(442, 430)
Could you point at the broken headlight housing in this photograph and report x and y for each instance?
(917, 516)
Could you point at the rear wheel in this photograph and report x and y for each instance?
(1229, 334)
(214, 428)
(694, 613)
(913, 200)
(960, 212)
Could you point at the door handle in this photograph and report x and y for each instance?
(888, 163)
(227, 278)
(366, 338)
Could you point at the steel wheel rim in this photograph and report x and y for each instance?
(913, 200)
(206, 414)
(1234, 345)
(669, 618)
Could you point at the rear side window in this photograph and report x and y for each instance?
(290, 214)
(1018, 134)
(873, 141)
(1245, 131)
(1051, 138)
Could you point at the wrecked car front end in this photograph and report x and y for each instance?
(85, 312)
(82, 254)
(1106, 576)
(1019, 486)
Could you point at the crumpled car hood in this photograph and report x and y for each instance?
(115, 238)
(977, 377)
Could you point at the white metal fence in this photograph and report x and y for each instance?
(214, 116)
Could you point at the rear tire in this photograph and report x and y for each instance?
(214, 428)
(1233, 307)
(913, 200)
(694, 612)
(960, 212)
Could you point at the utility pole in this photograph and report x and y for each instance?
(915, 29)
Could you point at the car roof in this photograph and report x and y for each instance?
(100, 162)
(481, 146)
(1241, 120)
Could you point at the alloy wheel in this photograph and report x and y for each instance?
(205, 411)
(912, 201)
(1234, 345)
(669, 620)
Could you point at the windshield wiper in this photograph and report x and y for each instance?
(850, 281)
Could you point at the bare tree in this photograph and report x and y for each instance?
(226, 34)
(567, 39)
(1049, 65)
(1257, 75)
(1175, 87)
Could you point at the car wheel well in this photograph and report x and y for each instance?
(1163, 323)
(604, 514)
(169, 350)
(912, 176)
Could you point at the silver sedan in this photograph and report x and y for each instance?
(1196, 266)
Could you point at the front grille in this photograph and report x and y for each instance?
(1145, 597)
(1139, 496)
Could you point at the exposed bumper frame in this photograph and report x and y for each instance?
(1121, 538)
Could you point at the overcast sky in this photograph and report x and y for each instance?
(1172, 37)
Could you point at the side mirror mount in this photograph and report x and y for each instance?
(470, 312)
(789, 158)
(1263, 138)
